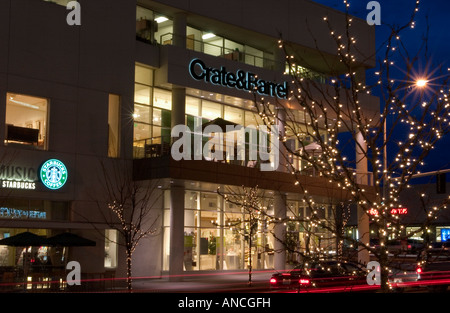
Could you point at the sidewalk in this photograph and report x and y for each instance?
(213, 282)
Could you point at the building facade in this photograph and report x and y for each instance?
(111, 90)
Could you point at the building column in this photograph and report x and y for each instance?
(178, 106)
(363, 218)
(179, 30)
(279, 231)
(176, 257)
(177, 190)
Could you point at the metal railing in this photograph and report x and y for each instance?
(222, 51)
(157, 147)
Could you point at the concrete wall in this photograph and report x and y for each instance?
(76, 68)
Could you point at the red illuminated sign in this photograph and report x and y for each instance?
(394, 211)
(373, 212)
(399, 211)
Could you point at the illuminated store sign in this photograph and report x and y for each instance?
(394, 211)
(240, 80)
(22, 214)
(53, 174)
(445, 234)
(18, 177)
(399, 211)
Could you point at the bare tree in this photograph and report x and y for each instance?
(254, 207)
(414, 115)
(129, 207)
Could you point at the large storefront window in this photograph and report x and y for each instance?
(26, 121)
(217, 236)
(221, 235)
(152, 121)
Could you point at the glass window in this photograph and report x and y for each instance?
(252, 119)
(113, 125)
(144, 14)
(141, 131)
(216, 235)
(141, 113)
(164, 32)
(156, 135)
(254, 56)
(193, 41)
(212, 44)
(192, 105)
(233, 50)
(162, 99)
(26, 120)
(234, 115)
(161, 130)
(142, 94)
(111, 248)
(153, 27)
(12, 257)
(211, 110)
(145, 27)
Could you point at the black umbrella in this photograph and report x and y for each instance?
(25, 239)
(221, 123)
(69, 240)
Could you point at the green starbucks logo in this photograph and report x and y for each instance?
(53, 174)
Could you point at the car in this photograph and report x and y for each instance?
(433, 270)
(412, 246)
(441, 244)
(320, 275)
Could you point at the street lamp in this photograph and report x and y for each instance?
(421, 83)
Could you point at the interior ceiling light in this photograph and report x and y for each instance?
(25, 104)
(161, 19)
(208, 36)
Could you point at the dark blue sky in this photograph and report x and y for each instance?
(399, 12)
(434, 14)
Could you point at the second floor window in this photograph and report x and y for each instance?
(26, 121)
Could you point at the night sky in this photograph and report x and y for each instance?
(434, 15)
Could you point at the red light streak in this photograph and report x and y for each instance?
(194, 283)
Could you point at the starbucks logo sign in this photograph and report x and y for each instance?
(53, 174)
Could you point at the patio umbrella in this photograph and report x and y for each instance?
(314, 147)
(25, 239)
(221, 123)
(70, 240)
